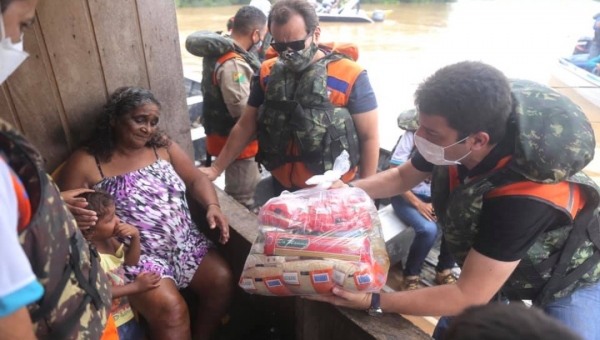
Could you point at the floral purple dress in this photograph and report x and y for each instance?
(153, 200)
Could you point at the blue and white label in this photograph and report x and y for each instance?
(338, 277)
(364, 279)
(247, 284)
(274, 283)
(321, 278)
(291, 278)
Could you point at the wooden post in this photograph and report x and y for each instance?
(80, 52)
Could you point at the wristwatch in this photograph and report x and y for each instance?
(375, 309)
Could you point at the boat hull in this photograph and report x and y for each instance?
(344, 18)
(581, 81)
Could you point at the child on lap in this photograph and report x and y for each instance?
(112, 257)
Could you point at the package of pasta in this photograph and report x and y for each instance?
(312, 240)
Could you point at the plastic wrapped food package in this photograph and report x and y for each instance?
(312, 240)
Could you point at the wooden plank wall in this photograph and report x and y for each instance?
(81, 51)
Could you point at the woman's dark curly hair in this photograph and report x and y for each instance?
(123, 101)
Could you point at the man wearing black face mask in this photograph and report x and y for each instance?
(226, 79)
(307, 106)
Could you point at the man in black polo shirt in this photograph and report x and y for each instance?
(516, 212)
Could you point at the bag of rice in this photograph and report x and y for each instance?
(313, 239)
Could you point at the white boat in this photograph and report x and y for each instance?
(348, 13)
(583, 82)
(356, 17)
(574, 72)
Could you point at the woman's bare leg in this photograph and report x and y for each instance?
(213, 285)
(165, 310)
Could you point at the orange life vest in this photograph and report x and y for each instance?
(215, 141)
(341, 76)
(564, 196)
(110, 332)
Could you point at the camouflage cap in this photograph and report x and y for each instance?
(208, 44)
(409, 120)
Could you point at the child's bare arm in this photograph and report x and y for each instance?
(143, 282)
(120, 291)
(132, 254)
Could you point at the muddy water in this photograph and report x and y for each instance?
(523, 38)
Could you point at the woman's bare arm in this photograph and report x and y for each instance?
(78, 172)
(201, 189)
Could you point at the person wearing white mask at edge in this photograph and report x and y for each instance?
(517, 213)
(265, 7)
(31, 205)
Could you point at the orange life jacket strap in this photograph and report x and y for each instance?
(215, 144)
(225, 57)
(565, 196)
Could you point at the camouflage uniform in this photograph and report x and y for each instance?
(211, 46)
(299, 111)
(554, 142)
(76, 297)
(226, 87)
(409, 120)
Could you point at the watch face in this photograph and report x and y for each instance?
(375, 311)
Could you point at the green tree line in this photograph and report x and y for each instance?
(207, 3)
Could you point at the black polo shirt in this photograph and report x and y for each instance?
(509, 225)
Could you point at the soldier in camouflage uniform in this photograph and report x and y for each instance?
(307, 106)
(51, 286)
(227, 68)
(517, 213)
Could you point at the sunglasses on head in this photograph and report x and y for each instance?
(294, 45)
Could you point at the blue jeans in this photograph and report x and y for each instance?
(580, 312)
(425, 234)
(131, 330)
(594, 51)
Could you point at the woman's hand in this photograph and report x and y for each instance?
(85, 218)
(215, 218)
(426, 210)
(344, 298)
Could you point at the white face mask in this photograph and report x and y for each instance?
(11, 55)
(434, 153)
(255, 48)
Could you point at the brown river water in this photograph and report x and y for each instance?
(523, 38)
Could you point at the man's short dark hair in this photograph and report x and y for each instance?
(247, 19)
(283, 10)
(498, 321)
(4, 5)
(472, 96)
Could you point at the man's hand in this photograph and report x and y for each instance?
(85, 218)
(344, 298)
(215, 218)
(426, 210)
(212, 172)
(338, 185)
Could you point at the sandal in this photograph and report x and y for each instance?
(445, 279)
(411, 283)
